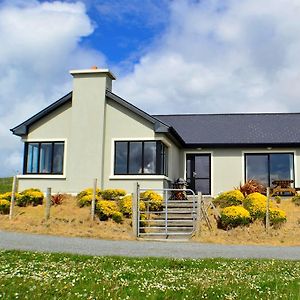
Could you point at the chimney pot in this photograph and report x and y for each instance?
(94, 67)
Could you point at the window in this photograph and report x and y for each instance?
(44, 158)
(267, 167)
(140, 157)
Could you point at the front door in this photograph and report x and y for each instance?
(198, 173)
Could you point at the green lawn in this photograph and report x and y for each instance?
(27, 275)
(5, 184)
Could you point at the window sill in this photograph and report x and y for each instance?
(136, 177)
(41, 176)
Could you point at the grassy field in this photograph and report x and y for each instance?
(5, 184)
(26, 275)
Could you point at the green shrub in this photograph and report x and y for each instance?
(277, 217)
(85, 197)
(230, 198)
(233, 216)
(152, 200)
(106, 209)
(296, 200)
(277, 199)
(256, 204)
(4, 206)
(125, 205)
(32, 197)
(112, 194)
(117, 217)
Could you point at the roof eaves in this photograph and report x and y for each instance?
(240, 145)
(22, 129)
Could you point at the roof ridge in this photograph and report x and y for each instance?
(227, 114)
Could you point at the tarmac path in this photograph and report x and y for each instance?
(87, 246)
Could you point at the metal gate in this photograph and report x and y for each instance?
(173, 213)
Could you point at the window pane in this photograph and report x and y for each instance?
(257, 168)
(202, 166)
(121, 158)
(32, 158)
(166, 160)
(58, 158)
(135, 158)
(149, 157)
(45, 158)
(161, 159)
(281, 166)
(202, 185)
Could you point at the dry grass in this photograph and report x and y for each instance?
(288, 234)
(70, 220)
(66, 220)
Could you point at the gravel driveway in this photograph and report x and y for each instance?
(45, 243)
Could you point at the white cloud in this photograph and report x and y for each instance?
(221, 56)
(40, 42)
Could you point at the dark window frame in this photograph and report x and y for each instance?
(160, 164)
(269, 168)
(26, 146)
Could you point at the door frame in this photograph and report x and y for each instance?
(195, 152)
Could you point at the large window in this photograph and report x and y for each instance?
(140, 157)
(44, 158)
(267, 167)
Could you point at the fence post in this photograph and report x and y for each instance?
(94, 200)
(48, 204)
(198, 216)
(135, 209)
(268, 210)
(13, 197)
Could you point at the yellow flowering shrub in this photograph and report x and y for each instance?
(106, 209)
(4, 206)
(277, 216)
(230, 198)
(152, 199)
(30, 197)
(256, 204)
(233, 216)
(7, 196)
(84, 198)
(125, 205)
(112, 194)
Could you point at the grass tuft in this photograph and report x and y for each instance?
(6, 184)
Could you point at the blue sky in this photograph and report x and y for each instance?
(124, 31)
(182, 56)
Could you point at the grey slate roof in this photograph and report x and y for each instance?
(205, 130)
(268, 129)
(159, 126)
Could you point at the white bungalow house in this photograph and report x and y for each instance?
(93, 133)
